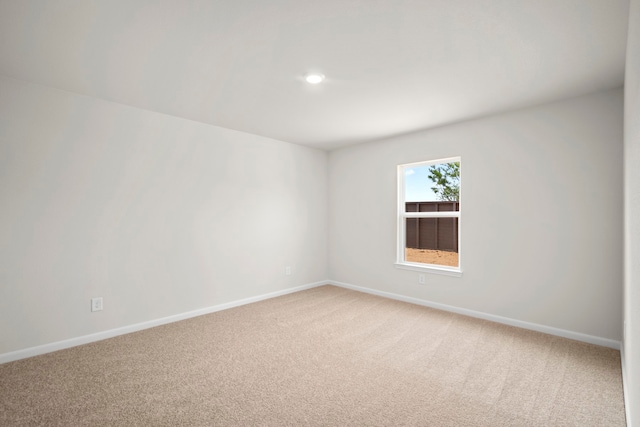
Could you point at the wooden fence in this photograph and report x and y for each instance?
(432, 233)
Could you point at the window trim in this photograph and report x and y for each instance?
(401, 263)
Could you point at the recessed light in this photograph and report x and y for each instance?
(314, 78)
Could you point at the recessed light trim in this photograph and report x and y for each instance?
(314, 78)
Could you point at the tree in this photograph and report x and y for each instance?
(446, 177)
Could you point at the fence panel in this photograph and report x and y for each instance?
(432, 233)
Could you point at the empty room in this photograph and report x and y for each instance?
(339, 213)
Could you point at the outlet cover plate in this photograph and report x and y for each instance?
(96, 304)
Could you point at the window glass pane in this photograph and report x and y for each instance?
(431, 183)
(432, 241)
(430, 187)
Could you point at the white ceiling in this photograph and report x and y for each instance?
(392, 66)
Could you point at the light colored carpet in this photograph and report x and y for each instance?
(322, 357)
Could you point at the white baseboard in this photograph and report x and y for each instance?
(625, 386)
(491, 317)
(85, 339)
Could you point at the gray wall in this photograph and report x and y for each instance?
(541, 218)
(632, 215)
(156, 214)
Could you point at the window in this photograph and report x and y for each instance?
(429, 216)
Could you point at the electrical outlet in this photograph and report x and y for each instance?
(96, 304)
(287, 271)
(421, 279)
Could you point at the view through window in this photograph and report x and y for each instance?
(429, 214)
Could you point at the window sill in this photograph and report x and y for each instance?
(455, 272)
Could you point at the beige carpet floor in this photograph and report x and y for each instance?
(322, 357)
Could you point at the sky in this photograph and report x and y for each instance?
(418, 185)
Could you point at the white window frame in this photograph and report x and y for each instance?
(403, 215)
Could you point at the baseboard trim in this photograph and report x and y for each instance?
(98, 336)
(480, 315)
(625, 386)
(85, 339)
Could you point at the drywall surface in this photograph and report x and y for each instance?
(632, 215)
(156, 214)
(541, 218)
